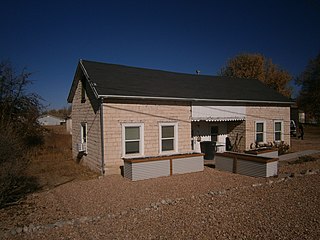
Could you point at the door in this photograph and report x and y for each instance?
(214, 133)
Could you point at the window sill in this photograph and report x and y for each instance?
(133, 156)
(168, 152)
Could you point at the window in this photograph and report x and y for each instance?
(132, 139)
(82, 146)
(278, 131)
(84, 132)
(260, 132)
(168, 137)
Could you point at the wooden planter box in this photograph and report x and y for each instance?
(152, 167)
(246, 164)
(272, 153)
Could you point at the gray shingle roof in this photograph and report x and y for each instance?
(110, 80)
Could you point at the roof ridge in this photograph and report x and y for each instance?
(149, 69)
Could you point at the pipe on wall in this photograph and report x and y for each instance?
(102, 135)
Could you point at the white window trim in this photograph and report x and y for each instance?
(274, 130)
(264, 131)
(176, 140)
(84, 144)
(141, 143)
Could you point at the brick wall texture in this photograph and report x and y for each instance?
(267, 114)
(84, 112)
(236, 133)
(151, 114)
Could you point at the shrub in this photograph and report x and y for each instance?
(19, 130)
(12, 163)
(283, 148)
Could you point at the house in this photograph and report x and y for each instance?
(122, 112)
(48, 120)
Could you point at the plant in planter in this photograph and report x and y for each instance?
(283, 147)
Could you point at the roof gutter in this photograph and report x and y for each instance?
(189, 99)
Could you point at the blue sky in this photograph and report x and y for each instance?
(49, 37)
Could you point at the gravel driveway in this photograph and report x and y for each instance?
(207, 205)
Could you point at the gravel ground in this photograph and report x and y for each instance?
(207, 205)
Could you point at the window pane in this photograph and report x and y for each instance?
(259, 137)
(84, 132)
(132, 147)
(259, 127)
(167, 145)
(167, 131)
(277, 126)
(132, 133)
(277, 136)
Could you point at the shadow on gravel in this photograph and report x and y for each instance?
(24, 185)
(210, 165)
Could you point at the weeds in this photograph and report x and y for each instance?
(14, 158)
(304, 159)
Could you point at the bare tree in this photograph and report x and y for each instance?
(19, 130)
(19, 110)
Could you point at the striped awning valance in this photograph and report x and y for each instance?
(217, 119)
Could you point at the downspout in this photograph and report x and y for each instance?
(102, 136)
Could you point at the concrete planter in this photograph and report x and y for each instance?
(152, 167)
(247, 164)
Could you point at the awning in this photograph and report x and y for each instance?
(217, 119)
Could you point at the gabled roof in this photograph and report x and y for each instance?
(118, 81)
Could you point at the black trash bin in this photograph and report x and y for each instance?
(209, 149)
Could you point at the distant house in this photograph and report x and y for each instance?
(122, 112)
(49, 120)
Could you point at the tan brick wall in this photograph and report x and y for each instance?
(236, 133)
(268, 114)
(150, 114)
(84, 112)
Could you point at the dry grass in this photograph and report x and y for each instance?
(52, 164)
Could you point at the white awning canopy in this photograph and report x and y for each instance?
(218, 113)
